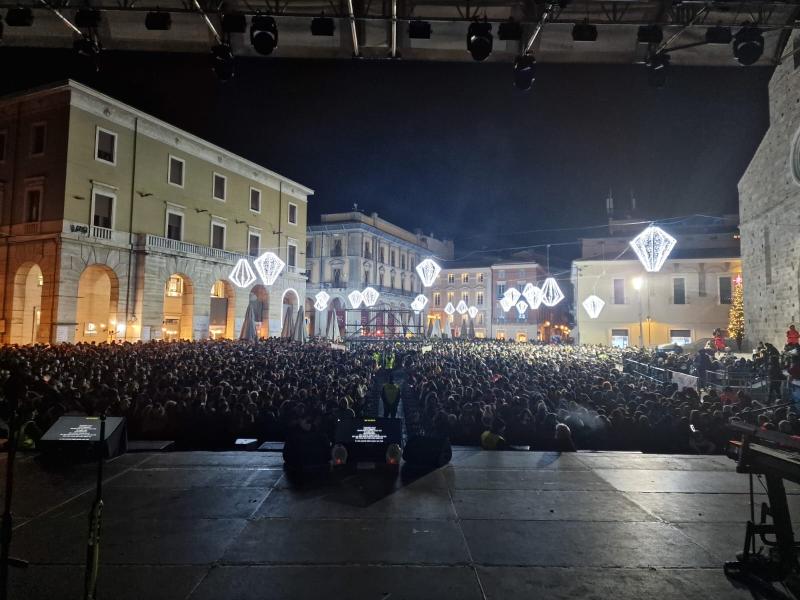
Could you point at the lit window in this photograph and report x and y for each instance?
(450, 296)
(682, 337)
(33, 205)
(38, 137)
(176, 169)
(501, 289)
(465, 297)
(479, 298)
(480, 277)
(437, 299)
(175, 286)
(220, 185)
(292, 214)
(451, 278)
(465, 278)
(619, 338)
(106, 146)
(218, 289)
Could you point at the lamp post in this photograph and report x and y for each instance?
(637, 285)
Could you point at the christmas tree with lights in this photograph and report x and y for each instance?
(736, 313)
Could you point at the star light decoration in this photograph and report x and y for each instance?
(419, 303)
(428, 271)
(472, 311)
(522, 306)
(513, 295)
(322, 299)
(269, 266)
(356, 298)
(593, 306)
(533, 294)
(450, 309)
(370, 296)
(462, 308)
(242, 274)
(653, 246)
(551, 293)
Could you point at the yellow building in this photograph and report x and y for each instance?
(116, 225)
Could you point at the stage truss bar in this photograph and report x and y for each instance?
(382, 324)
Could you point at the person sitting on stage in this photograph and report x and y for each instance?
(493, 439)
(564, 441)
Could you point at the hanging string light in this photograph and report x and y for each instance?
(653, 246)
(551, 293)
(242, 274)
(269, 266)
(450, 309)
(355, 298)
(419, 303)
(462, 308)
(593, 305)
(428, 271)
(370, 296)
(472, 311)
(322, 299)
(533, 294)
(506, 304)
(522, 306)
(513, 295)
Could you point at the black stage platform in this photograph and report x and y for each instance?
(211, 526)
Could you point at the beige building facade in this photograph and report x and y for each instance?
(117, 225)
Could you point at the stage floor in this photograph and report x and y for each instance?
(211, 526)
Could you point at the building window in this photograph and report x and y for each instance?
(218, 235)
(619, 338)
(450, 296)
(337, 247)
(177, 166)
(465, 297)
(391, 258)
(381, 256)
(402, 261)
(451, 278)
(480, 319)
(175, 286)
(619, 291)
(255, 200)
(366, 277)
(218, 289)
(291, 253)
(38, 138)
(292, 214)
(501, 290)
(174, 225)
(479, 298)
(103, 210)
(682, 337)
(679, 290)
(33, 205)
(767, 258)
(465, 278)
(3, 136)
(725, 290)
(337, 277)
(437, 299)
(367, 253)
(480, 277)
(220, 187)
(253, 243)
(105, 146)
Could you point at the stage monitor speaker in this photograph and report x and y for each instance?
(76, 435)
(428, 452)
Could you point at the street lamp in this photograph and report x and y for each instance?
(637, 285)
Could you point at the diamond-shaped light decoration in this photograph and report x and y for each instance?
(321, 300)
(269, 266)
(422, 301)
(242, 274)
(513, 295)
(505, 304)
(593, 305)
(472, 311)
(522, 306)
(653, 246)
(533, 294)
(461, 307)
(450, 309)
(428, 271)
(370, 296)
(355, 298)
(551, 293)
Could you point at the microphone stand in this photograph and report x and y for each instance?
(93, 545)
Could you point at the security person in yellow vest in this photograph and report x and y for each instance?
(390, 394)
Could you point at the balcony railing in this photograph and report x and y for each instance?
(101, 233)
(31, 227)
(162, 243)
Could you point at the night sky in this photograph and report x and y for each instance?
(454, 148)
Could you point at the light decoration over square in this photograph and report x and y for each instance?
(242, 275)
(419, 303)
(370, 296)
(551, 293)
(269, 266)
(322, 299)
(472, 311)
(505, 304)
(356, 298)
(461, 307)
(428, 271)
(522, 306)
(513, 295)
(450, 309)
(533, 294)
(653, 246)
(593, 306)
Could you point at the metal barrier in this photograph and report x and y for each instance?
(757, 388)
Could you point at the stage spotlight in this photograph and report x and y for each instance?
(339, 454)
(264, 34)
(19, 16)
(718, 35)
(657, 66)
(419, 30)
(584, 32)
(509, 30)
(87, 18)
(524, 72)
(748, 45)
(650, 34)
(87, 53)
(322, 26)
(222, 62)
(234, 23)
(479, 40)
(158, 21)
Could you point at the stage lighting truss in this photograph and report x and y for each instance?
(513, 295)
(533, 295)
(522, 306)
(462, 307)
(472, 311)
(322, 299)
(450, 309)
(419, 303)
(551, 293)
(428, 271)
(593, 306)
(242, 274)
(269, 266)
(356, 298)
(653, 246)
(506, 304)
(370, 296)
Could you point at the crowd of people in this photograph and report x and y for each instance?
(205, 394)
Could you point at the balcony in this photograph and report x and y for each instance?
(101, 233)
(161, 243)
